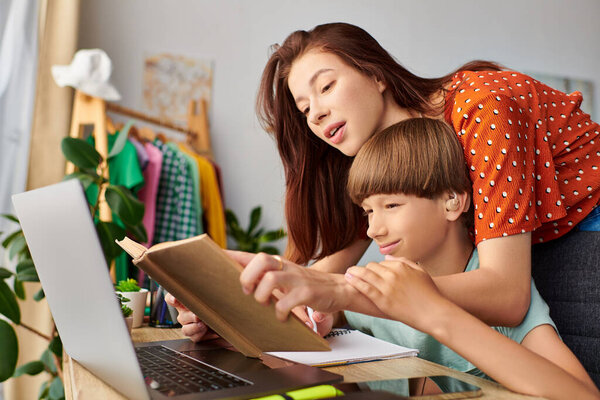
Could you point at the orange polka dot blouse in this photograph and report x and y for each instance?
(533, 155)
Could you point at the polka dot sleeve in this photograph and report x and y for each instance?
(499, 150)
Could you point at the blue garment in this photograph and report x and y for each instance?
(432, 350)
(591, 223)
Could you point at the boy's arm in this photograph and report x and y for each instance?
(506, 361)
(406, 293)
(544, 341)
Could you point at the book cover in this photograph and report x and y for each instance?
(202, 277)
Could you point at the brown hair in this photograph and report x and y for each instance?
(321, 217)
(418, 156)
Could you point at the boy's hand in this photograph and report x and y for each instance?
(400, 288)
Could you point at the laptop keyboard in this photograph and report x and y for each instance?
(173, 373)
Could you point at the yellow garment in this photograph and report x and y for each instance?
(211, 198)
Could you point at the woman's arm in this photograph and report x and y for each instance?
(404, 292)
(497, 293)
(340, 261)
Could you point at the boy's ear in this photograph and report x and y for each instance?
(456, 204)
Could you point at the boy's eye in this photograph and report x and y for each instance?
(306, 111)
(367, 212)
(392, 205)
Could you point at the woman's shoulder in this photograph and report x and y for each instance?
(488, 84)
(479, 93)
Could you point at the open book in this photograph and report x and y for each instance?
(348, 347)
(202, 277)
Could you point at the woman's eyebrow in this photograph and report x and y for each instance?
(312, 80)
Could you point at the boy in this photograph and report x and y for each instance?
(412, 182)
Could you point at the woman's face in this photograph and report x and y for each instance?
(342, 106)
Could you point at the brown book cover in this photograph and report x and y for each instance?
(202, 277)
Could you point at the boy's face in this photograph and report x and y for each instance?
(406, 225)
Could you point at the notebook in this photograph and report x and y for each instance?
(61, 236)
(348, 347)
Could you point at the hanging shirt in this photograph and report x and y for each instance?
(142, 154)
(195, 179)
(124, 170)
(175, 210)
(211, 199)
(149, 192)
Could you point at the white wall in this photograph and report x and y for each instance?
(429, 37)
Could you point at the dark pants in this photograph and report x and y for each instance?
(567, 274)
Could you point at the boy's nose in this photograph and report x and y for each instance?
(376, 228)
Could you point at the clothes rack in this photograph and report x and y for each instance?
(89, 110)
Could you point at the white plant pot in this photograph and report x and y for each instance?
(129, 323)
(137, 304)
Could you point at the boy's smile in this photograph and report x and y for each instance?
(418, 229)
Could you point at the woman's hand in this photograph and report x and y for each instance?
(191, 325)
(400, 289)
(263, 274)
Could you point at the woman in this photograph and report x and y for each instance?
(533, 157)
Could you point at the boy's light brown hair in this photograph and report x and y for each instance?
(417, 156)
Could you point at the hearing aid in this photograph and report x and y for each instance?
(453, 203)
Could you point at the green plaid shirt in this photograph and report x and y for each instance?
(176, 214)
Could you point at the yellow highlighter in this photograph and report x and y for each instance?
(315, 392)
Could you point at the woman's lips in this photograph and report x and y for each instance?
(388, 248)
(338, 135)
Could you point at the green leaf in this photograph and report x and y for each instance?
(8, 304)
(257, 235)
(80, 153)
(230, 218)
(128, 285)
(107, 233)
(10, 217)
(9, 348)
(44, 389)
(4, 273)
(86, 179)
(269, 250)
(124, 204)
(272, 236)
(26, 271)
(138, 231)
(254, 219)
(16, 246)
(19, 289)
(39, 295)
(57, 390)
(31, 368)
(10, 238)
(120, 141)
(48, 361)
(56, 346)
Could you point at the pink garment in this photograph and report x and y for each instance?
(147, 194)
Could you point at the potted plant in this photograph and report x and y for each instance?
(122, 203)
(126, 311)
(137, 296)
(253, 239)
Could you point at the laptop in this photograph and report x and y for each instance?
(61, 236)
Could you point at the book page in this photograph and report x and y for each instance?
(348, 346)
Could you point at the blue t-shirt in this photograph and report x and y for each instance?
(432, 350)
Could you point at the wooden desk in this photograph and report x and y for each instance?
(80, 384)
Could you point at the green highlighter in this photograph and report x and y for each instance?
(315, 392)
